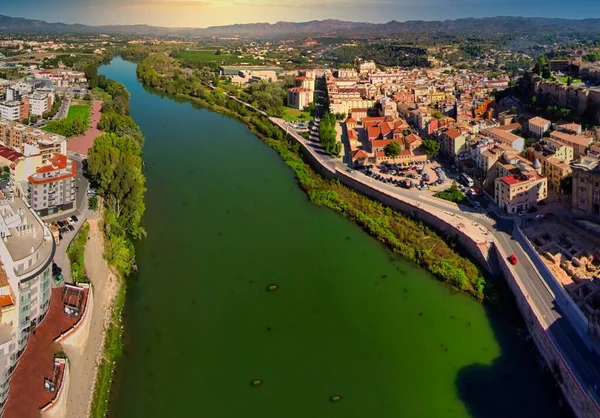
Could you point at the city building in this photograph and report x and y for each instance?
(26, 253)
(520, 191)
(578, 142)
(452, 142)
(538, 126)
(299, 97)
(586, 187)
(15, 135)
(10, 110)
(52, 186)
(501, 135)
(39, 103)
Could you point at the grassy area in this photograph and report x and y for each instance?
(453, 194)
(75, 253)
(99, 94)
(111, 351)
(210, 55)
(574, 80)
(80, 111)
(291, 115)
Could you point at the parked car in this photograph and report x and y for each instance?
(522, 213)
(513, 259)
(75, 218)
(538, 217)
(71, 227)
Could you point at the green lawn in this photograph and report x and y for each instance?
(209, 55)
(292, 115)
(80, 111)
(574, 80)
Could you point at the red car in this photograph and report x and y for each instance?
(512, 259)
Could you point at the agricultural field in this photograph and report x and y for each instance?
(209, 56)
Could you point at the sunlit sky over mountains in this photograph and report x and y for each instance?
(203, 13)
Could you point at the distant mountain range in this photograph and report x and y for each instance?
(481, 26)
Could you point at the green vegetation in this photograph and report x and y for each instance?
(93, 203)
(68, 60)
(65, 127)
(114, 165)
(80, 111)
(75, 253)
(453, 194)
(214, 57)
(431, 147)
(4, 172)
(392, 150)
(110, 353)
(290, 114)
(385, 53)
(328, 135)
(405, 237)
(570, 80)
(99, 94)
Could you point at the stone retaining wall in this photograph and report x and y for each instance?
(582, 405)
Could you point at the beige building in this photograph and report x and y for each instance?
(578, 142)
(586, 186)
(299, 97)
(538, 126)
(518, 192)
(501, 135)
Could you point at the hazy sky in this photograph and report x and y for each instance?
(202, 13)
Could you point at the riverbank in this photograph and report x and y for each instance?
(87, 354)
(405, 237)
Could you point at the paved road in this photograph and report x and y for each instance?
(584, 364)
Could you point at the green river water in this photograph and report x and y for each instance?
(225, 219)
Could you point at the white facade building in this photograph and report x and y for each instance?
(26, 251)
(10, 110)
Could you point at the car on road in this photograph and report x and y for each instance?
(513, 259)
(522, 213)
(538, 217)
(349, 170)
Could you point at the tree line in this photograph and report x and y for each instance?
(114, 165)
(328, 135)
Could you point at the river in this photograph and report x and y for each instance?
(225, 219)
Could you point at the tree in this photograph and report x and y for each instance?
(93, 203)
(431, 147)
(566, 184)
(392, 150)
(569, 80)
(78, 127)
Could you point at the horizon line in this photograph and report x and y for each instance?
(299, 22)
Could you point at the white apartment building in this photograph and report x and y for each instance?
(39, 103)
(10, 110)
(52, 186)
(538, 126)
(26, 249)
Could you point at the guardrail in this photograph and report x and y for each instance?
(568, 307)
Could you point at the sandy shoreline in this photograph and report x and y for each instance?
(85, 350)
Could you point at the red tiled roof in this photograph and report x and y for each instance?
(10, 154)
(374, 132)
(359, 154)
(6, 300)
(453, 133)
(412, 138)
(350, 121)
